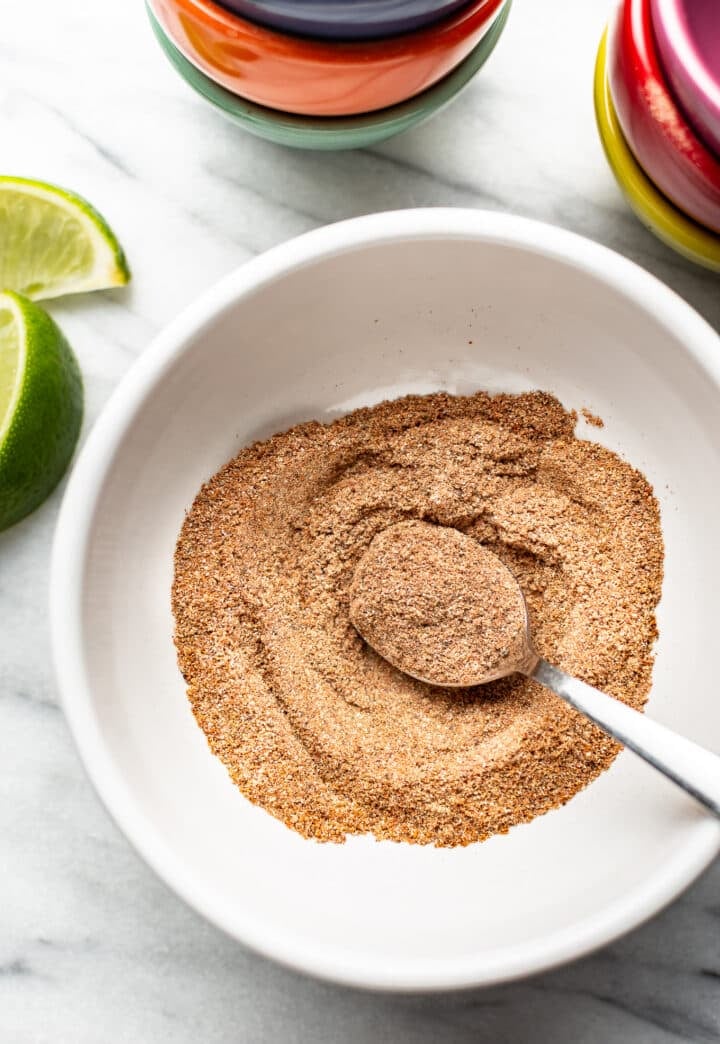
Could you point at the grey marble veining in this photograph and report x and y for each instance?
(93, 948)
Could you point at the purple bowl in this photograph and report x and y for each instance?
(344, 19)
(688, 41)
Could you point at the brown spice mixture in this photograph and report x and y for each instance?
(438, 605)
(319, 730)
(592, 418)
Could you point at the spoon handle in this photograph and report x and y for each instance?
(692, 767)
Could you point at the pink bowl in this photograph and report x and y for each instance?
(688, 41)
(662, 141)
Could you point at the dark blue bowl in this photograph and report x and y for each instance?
(344, 19)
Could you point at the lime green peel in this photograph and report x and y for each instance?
(54, 242)
(41, 406)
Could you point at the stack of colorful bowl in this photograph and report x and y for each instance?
(328, 74)
(657, 101)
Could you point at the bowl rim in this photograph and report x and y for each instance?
(75, 524)
(675, 39)
(656, 211)
(658, 133)
(330, 53)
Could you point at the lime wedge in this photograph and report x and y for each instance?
(41, 406)
(53, 242)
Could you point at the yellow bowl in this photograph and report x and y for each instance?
(656, 212)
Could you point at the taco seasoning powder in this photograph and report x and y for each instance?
(314, 726)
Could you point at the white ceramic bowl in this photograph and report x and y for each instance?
(344, 316)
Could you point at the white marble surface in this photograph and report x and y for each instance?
(93, 948)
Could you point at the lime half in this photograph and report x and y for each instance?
(53, 242)
(41, 406)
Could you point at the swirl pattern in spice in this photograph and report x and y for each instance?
(325, 735)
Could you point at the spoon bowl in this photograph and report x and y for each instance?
(441, 607)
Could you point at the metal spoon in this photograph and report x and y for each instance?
(692, 767)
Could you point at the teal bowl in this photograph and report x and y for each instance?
(333, 132)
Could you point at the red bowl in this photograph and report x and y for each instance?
(662, 141)
(319, 77)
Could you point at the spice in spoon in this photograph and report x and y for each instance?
(438, 605)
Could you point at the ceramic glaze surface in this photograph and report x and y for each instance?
(313, 77)
(345, 19)
(680, 232)
(334, 132)
(663, 143)
(688, 39)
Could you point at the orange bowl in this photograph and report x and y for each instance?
(316, 77)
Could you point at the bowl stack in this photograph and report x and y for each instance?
(657, 101)
(328, 74)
